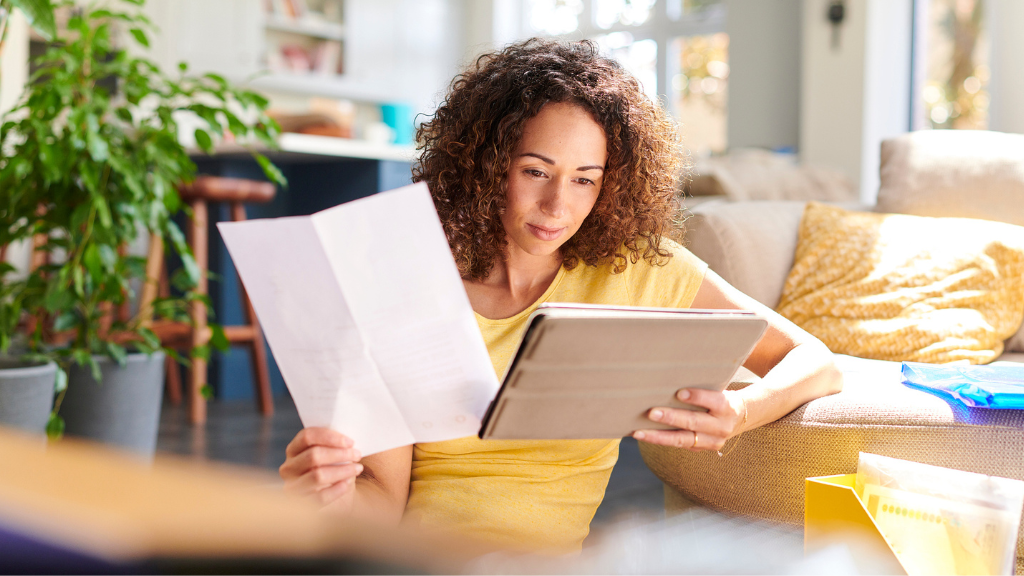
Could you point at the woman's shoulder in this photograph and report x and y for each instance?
(669, 279)
(669, 255)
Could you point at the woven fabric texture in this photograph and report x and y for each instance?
(897, 287)
(763, 471)
(960, 173)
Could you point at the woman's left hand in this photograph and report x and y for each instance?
(709, 430)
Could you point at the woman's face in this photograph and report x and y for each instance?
(554, 178)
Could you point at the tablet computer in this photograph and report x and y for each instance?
(584, 371)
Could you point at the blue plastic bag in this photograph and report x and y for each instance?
(1000, 386)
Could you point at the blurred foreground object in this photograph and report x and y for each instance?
(76, 507)
(939, 520)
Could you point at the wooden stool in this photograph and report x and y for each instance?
(198, 194)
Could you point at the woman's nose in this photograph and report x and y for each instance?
(553, 202)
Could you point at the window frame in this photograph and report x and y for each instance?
(659, 27)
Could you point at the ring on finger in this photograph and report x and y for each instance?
(694, 440)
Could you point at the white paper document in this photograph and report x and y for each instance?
(368, 320)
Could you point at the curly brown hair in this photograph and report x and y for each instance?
(469, 143)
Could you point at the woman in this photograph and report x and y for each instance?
(556, 180)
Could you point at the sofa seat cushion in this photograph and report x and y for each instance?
(762, 473)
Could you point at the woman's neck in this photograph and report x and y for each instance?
(513, 285)
(524, 273)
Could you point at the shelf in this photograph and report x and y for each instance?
(345, 147)
(309, 145)
(320, 85)
(312, 28)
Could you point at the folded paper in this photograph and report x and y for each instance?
(368, 320)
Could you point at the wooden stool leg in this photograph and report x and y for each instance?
(259, 364)
(172, 369)
(173, 382)
(197, 376)
(257, 353)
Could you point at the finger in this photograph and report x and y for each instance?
(316, 456)
(713, 400)
(323, 477)
(332, 493)
(317, 436)
(686, 439)
(688, 420)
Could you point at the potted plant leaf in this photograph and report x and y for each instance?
(91, 157)
(26, 385)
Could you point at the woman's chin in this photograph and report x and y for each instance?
(538, 249)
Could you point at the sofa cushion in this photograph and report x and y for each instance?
(959, 173)
(762, 473)
(749, 244)
(897, 287)
(755, 174)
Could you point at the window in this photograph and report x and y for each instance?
(677, 49)
(700, 90)
(952, 66)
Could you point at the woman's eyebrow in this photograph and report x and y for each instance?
(547, 160)
(544, 159)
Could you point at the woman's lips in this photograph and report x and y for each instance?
(544, 233)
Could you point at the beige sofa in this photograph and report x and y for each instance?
(751, 245)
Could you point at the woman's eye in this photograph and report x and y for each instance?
(536, 173)
(585, 181)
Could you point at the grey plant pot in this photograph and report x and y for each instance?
(122, 409)
(26, 393)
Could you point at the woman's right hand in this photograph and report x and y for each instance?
(322, 463)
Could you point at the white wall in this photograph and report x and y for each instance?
(395, 50)
(409, 48)
(858, 93)
(765, 71)
(13, 61)
(1006, 87)
(887, 81)
(833, 86)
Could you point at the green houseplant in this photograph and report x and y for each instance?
(26, 385)
(39, 14)
(90, 158)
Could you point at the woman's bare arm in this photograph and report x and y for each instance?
(382, 490)
(323, 464)
(794, 366)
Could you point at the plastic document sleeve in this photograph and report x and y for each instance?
(593, 372)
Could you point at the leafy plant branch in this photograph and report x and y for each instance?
(91, 158)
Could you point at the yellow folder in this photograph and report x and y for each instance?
(834, 514)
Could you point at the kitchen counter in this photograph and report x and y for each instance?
(307, 147)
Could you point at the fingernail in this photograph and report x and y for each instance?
(656, 414)
(359, 468)
(638, 435)
(683, 395)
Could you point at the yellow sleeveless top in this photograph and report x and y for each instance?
(539, 495)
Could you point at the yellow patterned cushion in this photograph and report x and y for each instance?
(897, 287)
